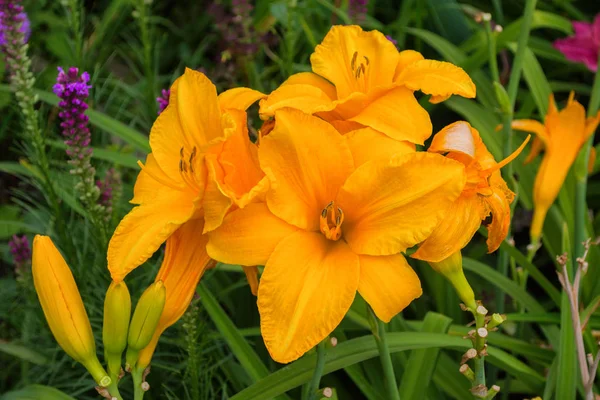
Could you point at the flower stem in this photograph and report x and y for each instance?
(479, 361)
(318, 372)
(137, 375)
(581, 176)
(386, 360)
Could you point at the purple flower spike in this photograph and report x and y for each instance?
(583, 47)
(357, 10)
(5, 24)
(391, 39)
(163, 100)
(21, 253)
(73, 90)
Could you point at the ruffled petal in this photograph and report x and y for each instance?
(348, 49)
(499, 205)
(239, 98)
(141, 232)
(398, 115)
(438, 78)
(388, 284)
(248, 236)
(406, 57)
(456, 137)
(150, 181)
(367, 144)
(382, 220)
(305, 290)
(306, 161)
(303, 91)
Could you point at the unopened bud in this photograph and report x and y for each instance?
(145, 320)
(117, 311)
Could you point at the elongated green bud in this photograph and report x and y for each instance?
(145, 320)
(117, 312)
(452, 269)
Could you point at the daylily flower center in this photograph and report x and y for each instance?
(186, 168)
(359, 65)
(331, 221)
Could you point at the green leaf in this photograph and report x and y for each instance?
(534, 272)
(36, 392)
(512, 289)
(101, 121)
(240, 348)
(364, 348)
(536, 79)
(116, 157)
(23, 352)
(421, 363)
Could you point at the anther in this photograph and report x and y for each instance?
(353, 62)
(366, 59)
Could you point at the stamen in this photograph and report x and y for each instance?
(366, 59)
(508, 159)
(158, 178)
(353, 62)
(331, 221)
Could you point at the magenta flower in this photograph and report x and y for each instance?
(7, 24)
(163, 100)
(584, 46)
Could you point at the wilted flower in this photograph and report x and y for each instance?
(584, 46)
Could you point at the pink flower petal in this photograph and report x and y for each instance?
(582, 29)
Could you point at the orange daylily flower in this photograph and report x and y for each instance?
(360, 79)
(196, 133)
(329, 228)
(561, 136)
(484, 193)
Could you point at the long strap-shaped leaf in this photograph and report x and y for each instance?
(364, 348)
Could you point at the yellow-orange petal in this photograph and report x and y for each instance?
(61, 301)
(312, 79)
(388, 284)
(141, 232)
(239, 98)
(499, 205)
(533, 126)
(304, 97)
(252, 277)
(344, 49)
(438, 78)
(456, 137)
(380, 219)
(248, 236)
(536, 147)
(198, 108)
(150, 181)
(591, 124)
(305, 290)
(406, 57)
(306, 161)
(367, 144)
(183, 265)
(397, 114)
(455, 231)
